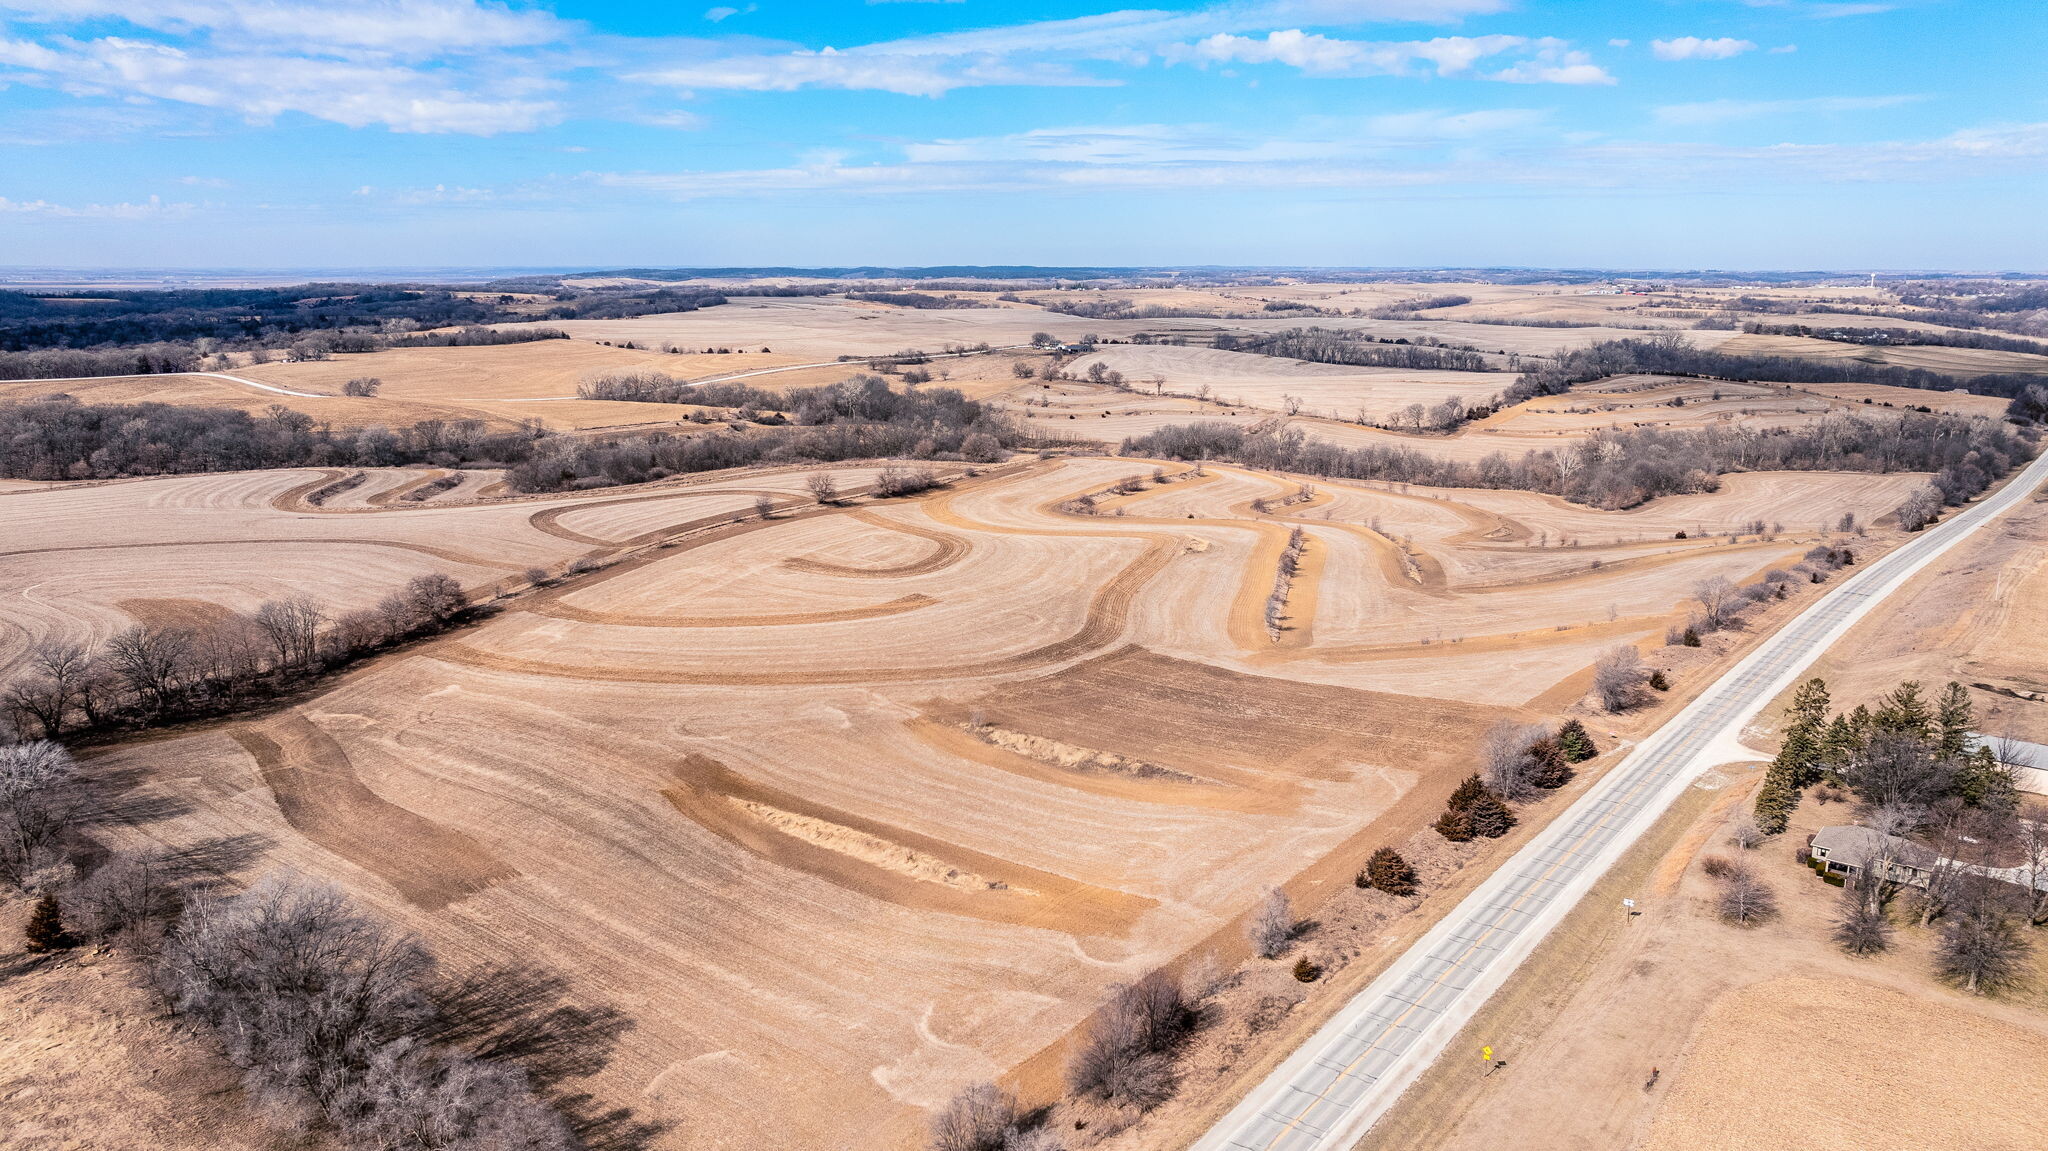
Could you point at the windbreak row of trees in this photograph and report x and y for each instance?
(1671, 355)
(150, 675)
(1338, 346)
(66, 440)
(1621, 468)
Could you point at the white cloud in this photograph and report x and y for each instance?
(408, 28)
(1726, 111)
(718, 15)
(1547, 60)
(203, 181)
(1783, 49)
(1694, 48)
(1619, 43)
(262, 87)
(153, 208)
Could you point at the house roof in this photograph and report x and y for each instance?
(1857, 846)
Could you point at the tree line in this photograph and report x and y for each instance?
(920, 300)
(1340, 346)
(62, 439)
(1671, 355)
(1900, 337)
(150, 674)
(861, 418)
(1621, 468)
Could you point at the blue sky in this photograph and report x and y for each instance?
(1616, 133)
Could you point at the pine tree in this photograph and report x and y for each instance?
(1982, 781)
(1691, 638)
(1774, 802)
(1548, 769)
(1490, 817)
(1905, 712)
(45, 930)
(1388, 872)
(1470, 790)
(1577, 745)
(1659, 681)
(1837, 748)
(1954, 717)
(1454, 825)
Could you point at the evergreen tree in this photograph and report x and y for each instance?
(1954, 717)
(45, 930)
(1659, 681)
(1454, 825)
(1470, 790)
(1774, 802)
(1905, 712)
(1837, 748)
(1982, 781)
(1576, 743)
(1548, 769)
(1490, 817)
(1388, 872)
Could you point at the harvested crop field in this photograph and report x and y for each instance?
(938, 770)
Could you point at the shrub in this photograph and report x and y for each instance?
(1575, 742)
(1306, 971)
(45, 931)
(1718, 866)
(1490, 817)
(1691, 638)
(1455, 826)
(362, 386)
(1126, 1057)
(1659, 681)
(1387, 871)
(979, 1118)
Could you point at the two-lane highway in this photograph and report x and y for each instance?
(1324, 1096)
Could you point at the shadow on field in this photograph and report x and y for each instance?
(518, 1014)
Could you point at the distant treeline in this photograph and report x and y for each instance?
(923, 300)
(66, 440)
(475, 337)
(99, 318)
(157, 359)
(860, 418)
(1623, 468)
(1672, 356)
(1405, 309)
(1902, 337)
(1339, 346)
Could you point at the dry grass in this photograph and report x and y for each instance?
(1806, 1061)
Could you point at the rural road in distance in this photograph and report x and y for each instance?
(1331, 1090)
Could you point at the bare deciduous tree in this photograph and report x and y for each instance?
(1618, 678)
(1271, 925)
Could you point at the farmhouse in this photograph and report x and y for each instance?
(1847, 851)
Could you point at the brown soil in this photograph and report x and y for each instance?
(318, 793)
